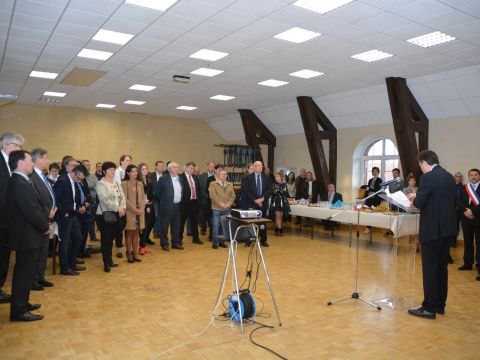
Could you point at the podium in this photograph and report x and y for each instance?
(253, 225)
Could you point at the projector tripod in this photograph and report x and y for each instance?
(356, 295)
(232, 257)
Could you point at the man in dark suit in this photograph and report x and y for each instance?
(257, 188)
(332, 197)
(311, 189)
(69, 202)
(469, 203)
(168, 193)
(204, 180)
(436, 199)
(190, 201)
(28, 224)
(8, 143)
(155, 178)
(47, 199)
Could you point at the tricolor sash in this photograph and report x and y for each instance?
(472, 194)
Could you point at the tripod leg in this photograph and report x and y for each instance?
(339, 300)
(224, 278)
(370, 303)
(259, 247)
(235, 278)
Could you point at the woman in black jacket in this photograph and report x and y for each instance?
(149, 213)
(279, 209)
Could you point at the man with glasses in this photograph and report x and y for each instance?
(8, 143)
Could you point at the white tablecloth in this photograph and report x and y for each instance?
(401, 225)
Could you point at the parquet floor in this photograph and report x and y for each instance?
(140, 311)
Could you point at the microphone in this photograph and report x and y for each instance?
(388, 182)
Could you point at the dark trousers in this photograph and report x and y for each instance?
(4, 256)
(23, 274)
(42, 261)
(149, 224)
(107, 235)
(190, 211)
(173, 221)
(471, 241)
(83, 222)
(119, 234)
(70, 240)
(435, 273)
(205, 218)
(91, 223)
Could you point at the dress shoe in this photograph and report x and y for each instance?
(26, 316)
(465, 267)
(199, 242)
(478, 277)
(69, 272)
(80, 268)
(37, 287)
(421, 312)
(178, 247)
(4, 297)
(46, 283)
(32, 307)
(222, 245)
(119, 255)
(113, 265)
(265, 244)
(215, 246)
(106, 269)
(165, 248)
(150, 242)
(450, 259)
(440, 310)
(80, 262)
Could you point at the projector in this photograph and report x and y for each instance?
(181, 78)
(246, 214)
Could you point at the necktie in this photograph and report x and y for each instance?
(49, 187)
(82, 195)
(259, 186)
(192, 188)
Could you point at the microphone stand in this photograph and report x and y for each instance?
(356, 295)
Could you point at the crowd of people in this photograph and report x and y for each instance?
(41, 202)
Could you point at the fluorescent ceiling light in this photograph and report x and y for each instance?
(112, 37)
(210, 55)
(161, 5)
(106, 106)
(94, 54)
(53, 93)
(321, 6)
(273, 83)
(206, 72)
(372, 55)
(188, 108)
(431, 39)
(297, 35)
(222, 97)
(306, 74)
(43, 74)
(142, 87)
(134, 102)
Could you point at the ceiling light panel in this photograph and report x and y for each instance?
(54, 93)
(105, 106)
(187, 108)
(322, 6)
(372, 55)
(134, 102)
(273, 83)
(141, 87)
(94, 54)
(43, 75)
(207, 72)
(161, 5)
(306, 74)
(431, 39)
(112, 37)
(209, 55)
(222, 97)
(297, 35)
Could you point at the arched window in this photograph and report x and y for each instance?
(383, 154)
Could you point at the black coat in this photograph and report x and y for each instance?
(436, 199)
(28, 220)
(249, 191)
(373, 187)
(64, 197)
(164, 195)
(186, 191)
(315, 190)
(42, 191)
(4, 180)
(463, 204)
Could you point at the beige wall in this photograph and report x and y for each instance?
(454, 139)
(105, 135)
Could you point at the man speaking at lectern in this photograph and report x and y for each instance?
(436, 199)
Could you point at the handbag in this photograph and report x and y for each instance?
(109, 217)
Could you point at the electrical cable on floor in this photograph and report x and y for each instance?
(263, 326)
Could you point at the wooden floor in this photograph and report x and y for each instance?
(153, 310)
